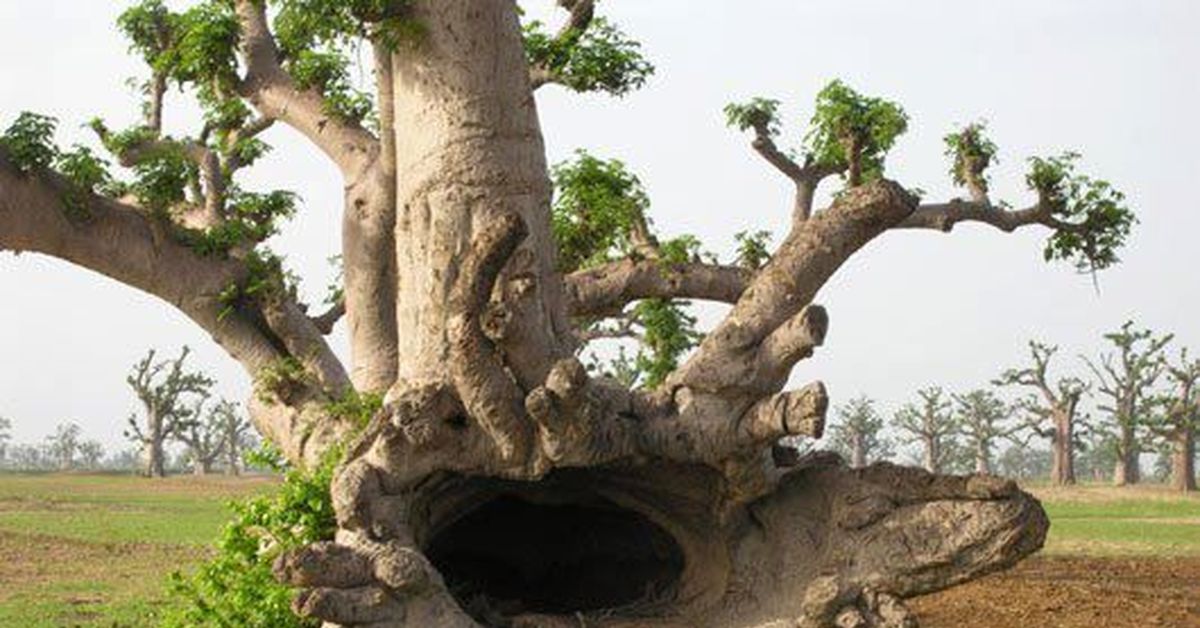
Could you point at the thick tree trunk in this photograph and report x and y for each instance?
(155, 459)
(933, 455)
(1062, 467)
(466, 501)
(1183, 461)
(471, 149)
(1128, 469)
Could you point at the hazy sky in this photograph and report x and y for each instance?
(1116, 80)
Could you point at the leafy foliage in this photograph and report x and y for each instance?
(356, 406)
(597, 206)
(859, 431)
(599, 58)
(29, 141)
(752, 251)
(250, 218)
(236, 587)
(669, 333)
(758, 114)
(1095, 219)
(850, 129)
(277, 381)
(972, 153)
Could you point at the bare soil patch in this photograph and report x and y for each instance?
(1074, 592)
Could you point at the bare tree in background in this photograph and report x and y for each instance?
(203, 434)
(5, 438)
(1178, 419)
(1052, 409)
(930, 422)
(857, 434)
(91, 452)
(1125, 379)
(63, 445)
(469, 287)
(982, 420)
(236, 433)
(166, 390)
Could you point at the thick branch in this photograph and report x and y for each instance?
(269, 87)
(944, 216)
(812, 252)
(607, 289)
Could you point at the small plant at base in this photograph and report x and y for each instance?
(236, 587)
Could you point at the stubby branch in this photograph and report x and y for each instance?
(606, 289)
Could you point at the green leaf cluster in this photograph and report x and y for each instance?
(357, 407)
(1096, 220)
(848, 127)
(752, 251)
(758, 113)
(236, 587)
(972, 153)
(265, 277)
(598, 203)
(29, 141)
(669, 332)
(600, 58)
(251, 217)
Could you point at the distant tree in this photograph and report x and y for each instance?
(204, 437)
(930, 423)
(5, 439)
(235, 433)
(165, 390)
(1023, 463)
(1177, 420)
(63, 445)
(1126, 379)
(90, 454)
(981, 418)
(858, 433)
(123, 460)
(1051, 410)
(27, 457)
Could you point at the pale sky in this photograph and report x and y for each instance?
(1115, 80)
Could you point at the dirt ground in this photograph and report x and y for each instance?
(1074, 592)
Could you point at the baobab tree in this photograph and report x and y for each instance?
(930, 423)
(5, 438)
(166, 390)
(464, 287)
(981, 418)
(204, 436)
(1125, 380)
(63, 445)
(1055, 403)
(858, 433)
(236, 434)
(1177, 420)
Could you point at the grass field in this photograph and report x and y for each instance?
(93, 550)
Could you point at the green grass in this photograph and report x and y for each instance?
(1094, 520)
(94, 550)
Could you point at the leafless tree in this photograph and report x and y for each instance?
(1178, 419)
(203, 434)
(982, 420)
(63, 445)
(1125, 380)
(930, 423)
(166, 390)
(858, 433)
(1053, 403)
(236, 434)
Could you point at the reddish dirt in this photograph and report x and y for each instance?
(1073, 593)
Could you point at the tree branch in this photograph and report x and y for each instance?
(944, 216)
(607, 289)
(269, 87)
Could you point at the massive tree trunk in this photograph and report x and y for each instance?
(1128, 468)
(500, 484)
(1062, 467)
(1183, 460)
